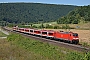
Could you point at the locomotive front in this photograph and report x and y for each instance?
(75, 38)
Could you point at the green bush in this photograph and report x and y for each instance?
(85, 44)
(66, 27)
(49, 26)
(87, 56)
(74, 56)
(56, 27)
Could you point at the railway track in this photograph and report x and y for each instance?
(57, 43)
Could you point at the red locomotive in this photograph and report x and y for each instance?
(65, 36)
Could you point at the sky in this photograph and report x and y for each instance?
(64, 2)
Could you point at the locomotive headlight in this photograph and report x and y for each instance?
(75, 38)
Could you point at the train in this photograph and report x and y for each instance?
(50, 34)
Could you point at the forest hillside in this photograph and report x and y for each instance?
(32, 12)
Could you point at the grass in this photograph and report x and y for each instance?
(10, 51)
(85, 44)
(45, 50)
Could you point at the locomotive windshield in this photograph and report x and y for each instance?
(75, 34)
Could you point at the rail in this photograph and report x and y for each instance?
(61, 44)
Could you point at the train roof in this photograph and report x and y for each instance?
(21, 28)
(43, 30)
(65, 32)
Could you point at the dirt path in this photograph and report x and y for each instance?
(5, 32)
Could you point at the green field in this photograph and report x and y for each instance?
(52, 23)
(82, 25)
(45, 50)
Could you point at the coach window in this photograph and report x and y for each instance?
(44, 32)
(31, 30)
(50, 33)
(35, 31)
(39, 32)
